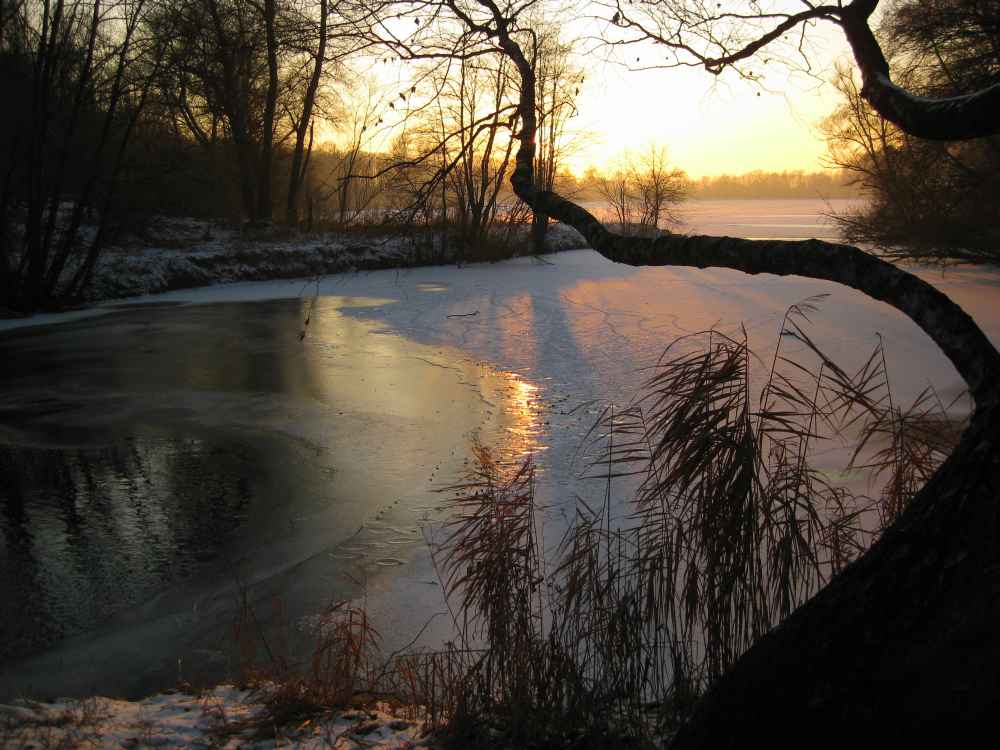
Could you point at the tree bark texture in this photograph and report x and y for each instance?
(953, 118)
(901, 646)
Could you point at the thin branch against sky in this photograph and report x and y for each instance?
(762, 115)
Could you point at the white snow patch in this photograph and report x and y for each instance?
(176, 253)
(225, 717)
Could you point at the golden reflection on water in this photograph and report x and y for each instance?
(438, 395)
(524, 407)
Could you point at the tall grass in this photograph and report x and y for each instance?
(732, 528)
(492, 566)
(343, 667)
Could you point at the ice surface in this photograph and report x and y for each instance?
(580, 331)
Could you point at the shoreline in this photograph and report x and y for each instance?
(190, 254)
(224, 716)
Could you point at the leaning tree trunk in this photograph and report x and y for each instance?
(901, 645)
(905, 639)
(539, 230)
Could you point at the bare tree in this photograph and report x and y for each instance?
(268, 10)
(728, 37)
(643, 189)
(473, 110)
(661, 187)
(304, 123)
(350, 184)
(618, 190)
(326, 34)
(251, 76)
(222, 78)
(84, 72)
(558, 80)
(930, 200)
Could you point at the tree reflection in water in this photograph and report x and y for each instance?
(93, 531)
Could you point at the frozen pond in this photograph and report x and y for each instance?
(178, 453)
(778, 218)
(159, 463)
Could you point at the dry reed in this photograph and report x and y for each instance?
(731, 529)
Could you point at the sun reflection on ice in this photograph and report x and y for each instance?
(524, 406)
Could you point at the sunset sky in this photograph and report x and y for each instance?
(710, 125)
(714, 125)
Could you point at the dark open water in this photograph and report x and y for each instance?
(159, 463)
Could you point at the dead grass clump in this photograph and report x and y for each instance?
(540, 660)
(31, 725)
(341, 671)
(492, 566)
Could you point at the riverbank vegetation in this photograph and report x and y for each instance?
(251, 115)
(927, 200)
(649, 602)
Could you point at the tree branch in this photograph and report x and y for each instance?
(917, 608)
(947, 324)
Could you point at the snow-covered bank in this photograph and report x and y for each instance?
(178, 253)
(225, 717)
(183, 254)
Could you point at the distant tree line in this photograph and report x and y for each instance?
(786, 184)
(831, 183)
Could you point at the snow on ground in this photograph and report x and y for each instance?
(225, 717)
(177, 253)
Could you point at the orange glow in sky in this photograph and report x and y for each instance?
(713, 125)
(710, 125)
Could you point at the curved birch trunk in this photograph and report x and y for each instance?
(903, 641)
